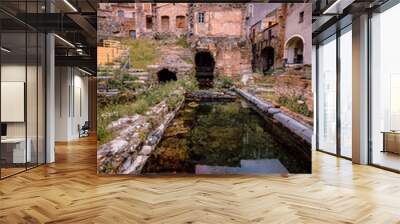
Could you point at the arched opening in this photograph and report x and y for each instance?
(166, 75)
(204, 69)
(267, 59)
(294, 50)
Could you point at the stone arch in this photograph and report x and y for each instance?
(205, 65)
(294, 50)
(267, 58)
(165, 75)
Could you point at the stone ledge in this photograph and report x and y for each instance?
(135, 165)
(301, 130)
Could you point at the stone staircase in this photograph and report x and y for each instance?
(143, 76)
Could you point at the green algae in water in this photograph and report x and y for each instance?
(224, 134)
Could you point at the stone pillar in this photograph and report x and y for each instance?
(360, 90)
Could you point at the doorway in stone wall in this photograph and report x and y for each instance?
(267, 59)
(205, 65)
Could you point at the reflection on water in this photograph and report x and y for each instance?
(227, 138)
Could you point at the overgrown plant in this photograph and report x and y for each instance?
(295, 104)
(223, 82)
(168, 91)
(143, 52)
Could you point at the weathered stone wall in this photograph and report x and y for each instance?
(288, 25)
(269, 34)
(220, 20)
(223, 34)
(133, 18)
(231, 55)
(109, 25)
(172, 11)
(269, 38)
(300, 29)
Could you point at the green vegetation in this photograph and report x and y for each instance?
(182, 41)
(169, 91)
(223, 82)
(143, 52)
(295, 104)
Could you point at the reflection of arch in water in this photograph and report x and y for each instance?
(166, 75)
(267, 58)
(294, 50)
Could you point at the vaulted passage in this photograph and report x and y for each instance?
(267, 58)
(205, 64)
(166, 75)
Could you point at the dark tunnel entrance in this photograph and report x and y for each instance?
(166, 75)
(204, 69)
(267, 55)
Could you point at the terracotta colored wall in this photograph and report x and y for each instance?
(220, 22)
(107, 54)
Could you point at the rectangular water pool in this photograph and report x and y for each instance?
(227, 138)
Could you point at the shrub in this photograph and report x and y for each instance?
(113, 111)
(292, 103)
(223, 82)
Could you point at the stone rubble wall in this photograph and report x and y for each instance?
(134, 165)
(301, 130)
(205, 95)
(136, 137)
(232, 55)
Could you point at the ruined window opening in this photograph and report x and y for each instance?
(180, 22)
(201, 17)
(149, 22)
(165, 23)
(166, 75)
(133, 15)
(121, 13)
(301, 17)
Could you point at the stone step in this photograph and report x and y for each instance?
(139, 73)
(143, 78)
(135, 70)
(104, 77)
